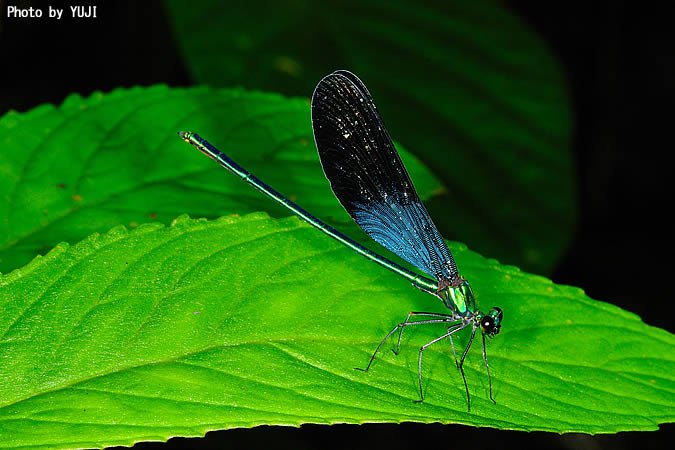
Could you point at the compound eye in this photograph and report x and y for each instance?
(488, 325)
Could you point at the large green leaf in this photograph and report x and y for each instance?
(95, 163)
(466, 85)
(248, 320)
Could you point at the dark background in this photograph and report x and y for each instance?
(619, 62)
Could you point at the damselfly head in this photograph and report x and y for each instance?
(491, 323)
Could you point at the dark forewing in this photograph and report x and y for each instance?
(368, 177)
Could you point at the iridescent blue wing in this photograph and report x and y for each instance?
(368, 177)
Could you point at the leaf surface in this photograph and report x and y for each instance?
(243, 321)
(466, 86)
(98, 162)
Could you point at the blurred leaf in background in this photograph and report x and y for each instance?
(466, 86)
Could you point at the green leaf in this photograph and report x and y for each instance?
(243, 321)
(95, 163)
(467, 86)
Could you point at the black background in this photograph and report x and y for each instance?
(618, 58)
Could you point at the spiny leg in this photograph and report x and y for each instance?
(435, 293)
(445, 318)
(453, 350)
(487, 367)
(401, 325)
(372, 358)
(461, 368)
(424, 347)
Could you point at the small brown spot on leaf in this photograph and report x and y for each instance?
(287, 65)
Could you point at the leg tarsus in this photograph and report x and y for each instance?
(372, 358)
(424, 347)
(461, 368)
(487, 368)
(453, 350)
